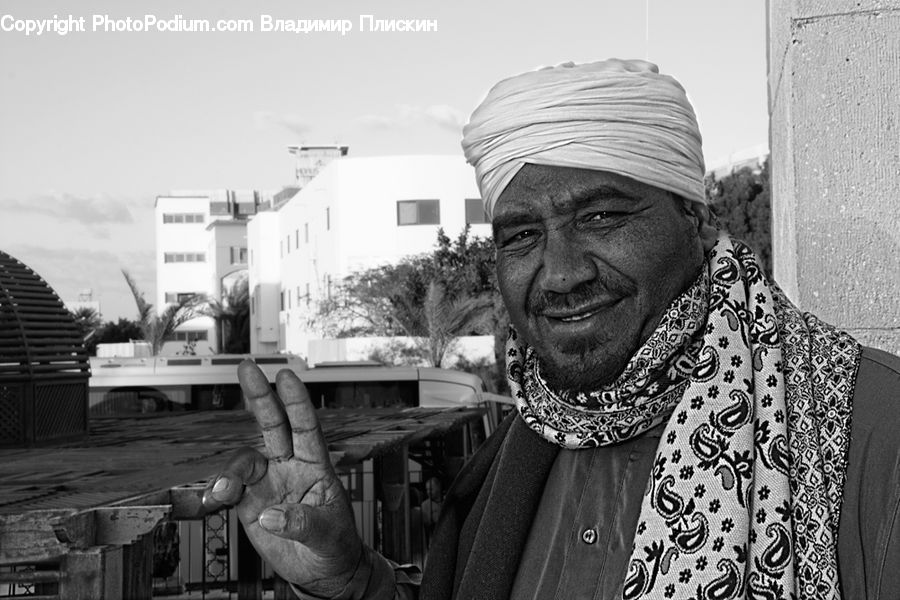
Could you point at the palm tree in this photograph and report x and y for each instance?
(232, 316)
(88, 321)
(157, 328)
(449, 318)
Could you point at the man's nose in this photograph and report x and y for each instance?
(566, 264)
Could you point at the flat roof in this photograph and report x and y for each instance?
(135, 460)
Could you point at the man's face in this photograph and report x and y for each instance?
(433, 488)
(587, 262)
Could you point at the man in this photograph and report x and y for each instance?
(431, 506)
(682, 431)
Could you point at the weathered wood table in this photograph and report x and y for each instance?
(83, 512)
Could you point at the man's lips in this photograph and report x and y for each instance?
(573, 315)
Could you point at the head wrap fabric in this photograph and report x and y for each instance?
(618, 116)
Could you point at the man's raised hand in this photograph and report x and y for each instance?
(292, 505)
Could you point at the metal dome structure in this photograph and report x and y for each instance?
(44, 367)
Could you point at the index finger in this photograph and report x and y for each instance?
(267, 408)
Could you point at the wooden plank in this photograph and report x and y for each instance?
(67, 364)
(249, 568)
(392, 470)
(30, 538)
(78, 529)
(27, 577)
(121, 525)
(94, 573)
(137, 569)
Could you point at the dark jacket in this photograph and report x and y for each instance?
(477, 545)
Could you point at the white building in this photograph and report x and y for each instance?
(265, 282)
(85, 301)
(201, 245)
(355, 214)
(201, 248)
(753, 157)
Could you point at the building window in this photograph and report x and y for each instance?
(252, 305)
(246, 208)
(296, 238)
(184, 257)
(418, 212)
(282, 299)
(238, 255)
(219, 208)
(190, 336)
(475, 211)
(179, 297)
(183, 218)
(288, 246)
(306, 233)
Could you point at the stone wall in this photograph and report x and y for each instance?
(834, 105)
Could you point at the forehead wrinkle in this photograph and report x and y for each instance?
(538, 192)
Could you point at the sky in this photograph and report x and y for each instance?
(95, 124)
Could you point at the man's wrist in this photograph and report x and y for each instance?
(373, 580)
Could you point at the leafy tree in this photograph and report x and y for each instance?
(157, 328)
(467, 265)
(397, 352)
(742, 203)
(470, 265)
(87, 320)
(89, 324)
(436, 297)
(381, 301)
(113, 332)
(232, 316)
(448, 318)
(123, 330)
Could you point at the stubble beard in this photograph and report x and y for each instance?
(582, 365)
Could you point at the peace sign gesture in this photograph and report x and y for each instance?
(290, 501)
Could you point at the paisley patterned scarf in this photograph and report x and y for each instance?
(745, 493)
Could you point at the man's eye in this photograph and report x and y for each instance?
(603, 215)
(519, 236)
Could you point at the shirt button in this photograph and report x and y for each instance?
(589, 536)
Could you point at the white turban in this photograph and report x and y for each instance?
(617, 116)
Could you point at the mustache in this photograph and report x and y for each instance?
(584, 294)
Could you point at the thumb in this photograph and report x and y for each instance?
(313, 526)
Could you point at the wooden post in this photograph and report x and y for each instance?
(394, 477)
(137, 569)
(249, 568)
(92, 574)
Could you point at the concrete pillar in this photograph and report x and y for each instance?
(834, 106)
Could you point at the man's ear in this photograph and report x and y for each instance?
(707, 224)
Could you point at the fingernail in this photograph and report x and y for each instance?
(272, 519)
(221, 485)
